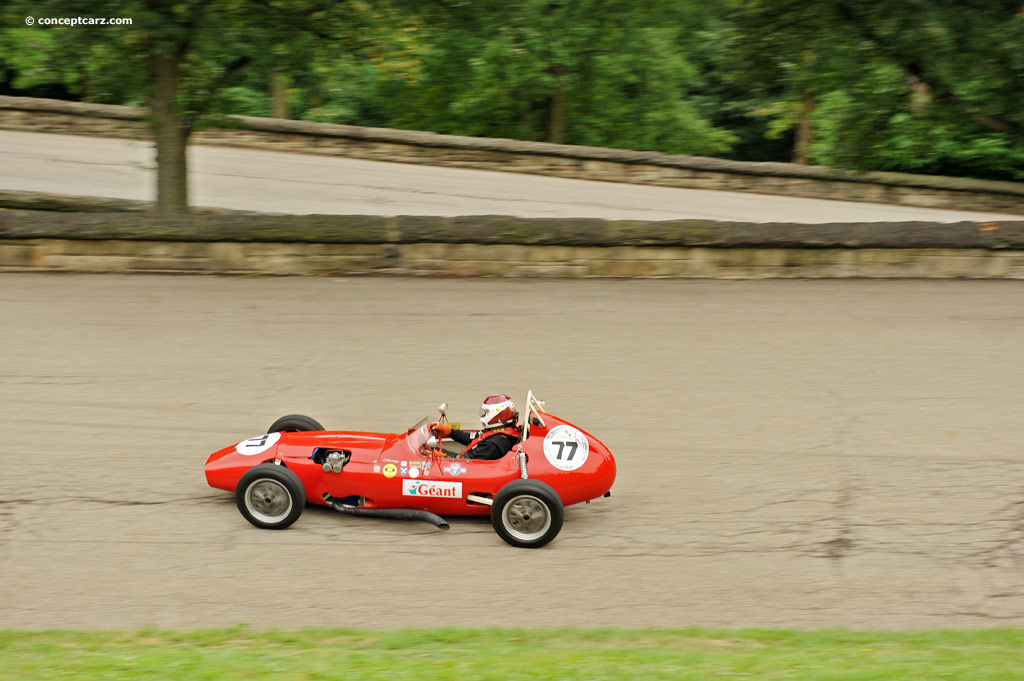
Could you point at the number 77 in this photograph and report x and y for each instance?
(561, 448)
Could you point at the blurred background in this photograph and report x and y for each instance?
(918, 86)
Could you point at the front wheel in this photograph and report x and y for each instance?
(527, 513)
(270, 496)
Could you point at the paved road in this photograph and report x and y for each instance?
(299, 183)
(791, 453)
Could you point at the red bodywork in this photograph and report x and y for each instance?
(372, 455)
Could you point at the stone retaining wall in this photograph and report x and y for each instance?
(501, 246)
(593, 163)
(74, 203)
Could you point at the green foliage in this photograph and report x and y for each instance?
(921, 86)
(891, 137)
(931, 86)
(42, 59)
(243, 101)
(582, 72)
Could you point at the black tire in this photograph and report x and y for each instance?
(294, 423)
(270, 496)
(527, 513)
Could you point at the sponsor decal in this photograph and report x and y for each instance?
(258, 444)
(432, 488)
(404, 470)
(404, 463)
(566, 448)
(455, 469)
(390, 470)
(376, 468)
(414, 472)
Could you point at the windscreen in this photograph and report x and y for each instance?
(418, 435)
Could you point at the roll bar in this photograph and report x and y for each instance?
(534, 408)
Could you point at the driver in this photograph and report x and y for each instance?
(498, 417)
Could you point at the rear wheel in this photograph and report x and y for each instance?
(527, 513)
(270, 496)
(294, 423)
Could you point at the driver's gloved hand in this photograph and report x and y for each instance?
(442, 429)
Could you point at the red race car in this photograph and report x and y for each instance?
(412, 475)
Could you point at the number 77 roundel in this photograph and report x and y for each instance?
(566, 448)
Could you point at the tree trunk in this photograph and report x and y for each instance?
(525, 120)
(170, 133)
(556, 115)
(278, 96)
(804, 129)
(920, 93)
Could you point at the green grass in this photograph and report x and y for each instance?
(534, 655)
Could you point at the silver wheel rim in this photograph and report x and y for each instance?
(526, 517)
(268, 500)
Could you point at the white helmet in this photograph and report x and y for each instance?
(498, 410)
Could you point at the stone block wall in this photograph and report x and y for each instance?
(498, 246)
(592, 163)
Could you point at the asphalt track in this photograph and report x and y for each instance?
(791, 453)
(276, 182)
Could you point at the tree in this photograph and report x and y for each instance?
(926, 86)
(178, 58)
(931, 86)
(594, 72)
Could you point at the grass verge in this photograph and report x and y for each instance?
(536, 655)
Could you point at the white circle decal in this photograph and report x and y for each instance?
(566, 448)
(257, 445)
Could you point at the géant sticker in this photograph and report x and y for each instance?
(432, 488)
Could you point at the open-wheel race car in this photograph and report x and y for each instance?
(414, 475)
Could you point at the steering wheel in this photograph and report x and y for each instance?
(427, 450)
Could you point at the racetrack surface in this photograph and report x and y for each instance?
(278, 182)
(791, 453)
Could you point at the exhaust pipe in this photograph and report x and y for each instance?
(392, 513)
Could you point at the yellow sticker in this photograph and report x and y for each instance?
(390, 470)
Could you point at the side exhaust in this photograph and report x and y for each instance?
(392, 513)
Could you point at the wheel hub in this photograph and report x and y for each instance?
(268, 499)
(526, 517)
